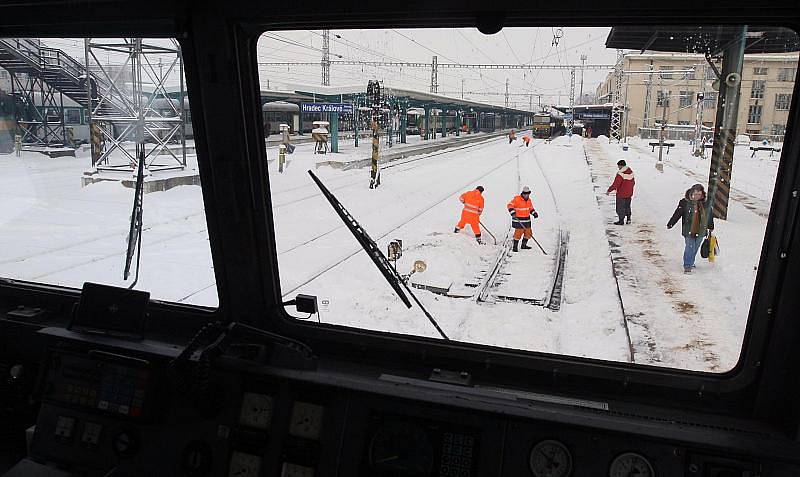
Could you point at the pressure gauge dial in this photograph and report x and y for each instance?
(550, 459)
(631, 464)
(256, 410)
(244, 465)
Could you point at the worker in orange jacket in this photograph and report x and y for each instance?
(527, 140)
(471, 214)
(521, 209)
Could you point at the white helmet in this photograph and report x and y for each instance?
(526, 189)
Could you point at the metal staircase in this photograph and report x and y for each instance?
(36, 68)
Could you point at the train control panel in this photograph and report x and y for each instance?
(136, 410)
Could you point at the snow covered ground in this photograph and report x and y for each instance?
(691, 321)
(52, 230)
(418, 203)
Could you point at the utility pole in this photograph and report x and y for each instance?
(462, 87)
(506, 92)
(571, 120)
(326, 57)
(699, 147)
(583, 64)
(664, 105)
(648, 96)
(616, 109)
(435, 74)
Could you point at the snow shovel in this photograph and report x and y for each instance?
(537, 243)
(489, 232)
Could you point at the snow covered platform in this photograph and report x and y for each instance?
(51, 151)
(402, 151)
(154, 182)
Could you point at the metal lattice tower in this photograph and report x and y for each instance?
(571, 120)
(583, 65)
(326, 57)
(39, 112)
(434, 74)
(122, 111)
(617, 108)
(648, 97)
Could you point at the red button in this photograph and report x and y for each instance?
(136, 412)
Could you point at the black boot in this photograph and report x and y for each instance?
(515, 247)
(456, 230)
(619, 222)
(628, 219)
(525, 244)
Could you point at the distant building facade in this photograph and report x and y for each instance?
(766, 93)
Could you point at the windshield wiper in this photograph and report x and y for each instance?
(369, 246)
(135, 231)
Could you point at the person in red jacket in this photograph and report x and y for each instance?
(471, 214)
(623, 184)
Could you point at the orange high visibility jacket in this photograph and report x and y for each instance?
(522, 208)
(473, 201)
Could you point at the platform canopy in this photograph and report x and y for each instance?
(701, 39)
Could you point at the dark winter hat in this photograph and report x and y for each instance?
(480, 188)
(622, 163)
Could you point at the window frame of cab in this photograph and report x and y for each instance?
(220, 61)
(667, 386)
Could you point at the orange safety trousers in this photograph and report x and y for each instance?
(472, 219)
(519, 232)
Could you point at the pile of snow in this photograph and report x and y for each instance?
(561, 141)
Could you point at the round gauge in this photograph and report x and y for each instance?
(256, 410)
(630, 464)
(550, 459)
(402, 448)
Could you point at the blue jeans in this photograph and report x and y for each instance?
(690, 251)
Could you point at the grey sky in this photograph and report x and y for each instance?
(463, 45)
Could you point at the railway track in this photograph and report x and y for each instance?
(489, 290)
(614, 268)
(416, 214)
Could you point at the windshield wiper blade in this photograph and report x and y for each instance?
(369, 246)
(135, 231)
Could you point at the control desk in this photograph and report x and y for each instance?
(115, 408)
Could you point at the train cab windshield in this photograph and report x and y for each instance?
(580, 192)
(572, 191)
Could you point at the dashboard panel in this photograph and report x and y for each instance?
(248, 419)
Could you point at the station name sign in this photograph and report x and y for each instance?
(341, 108)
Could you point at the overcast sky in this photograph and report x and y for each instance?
(462, 45)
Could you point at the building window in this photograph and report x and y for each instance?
(754, 114)
(683, 123)
(786, 74)
(760, 71)
(779, 129)
(689, 75)
(665, 72)
(72, 116)
(758, 89)
(662, 100)
(687, 98)
(782, 101)
(710, 75)
(710, 100)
